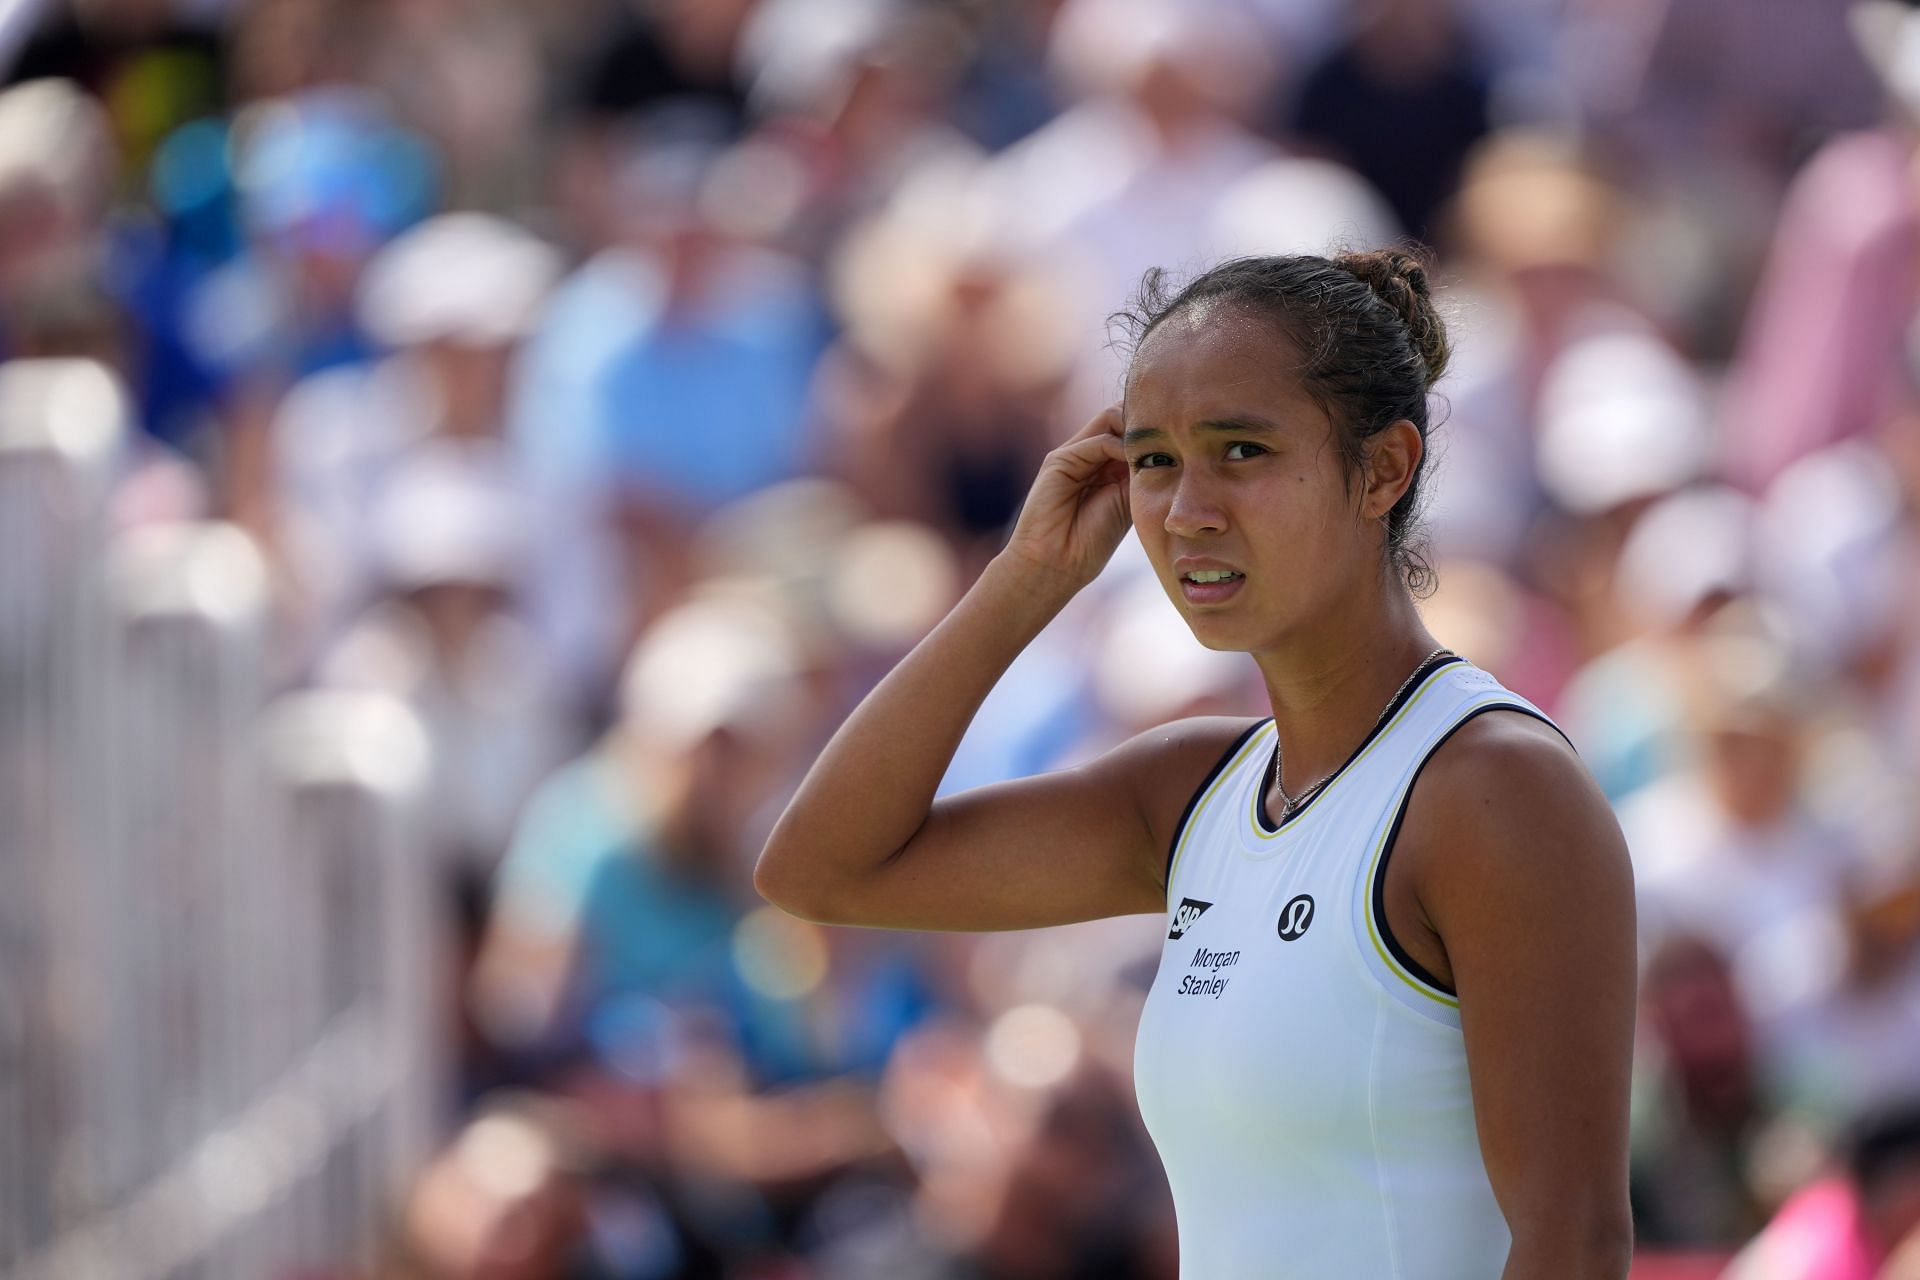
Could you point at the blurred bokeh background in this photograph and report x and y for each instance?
(459, 459)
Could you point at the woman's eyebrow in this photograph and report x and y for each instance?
(1239, 424)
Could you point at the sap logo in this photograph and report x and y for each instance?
(1183, 917)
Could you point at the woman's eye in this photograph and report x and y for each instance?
(1155, 461)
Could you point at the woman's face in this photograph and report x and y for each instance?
(1233, 466)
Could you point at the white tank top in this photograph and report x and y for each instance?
(1304, 1080)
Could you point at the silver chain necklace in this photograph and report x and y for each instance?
(1290, 803)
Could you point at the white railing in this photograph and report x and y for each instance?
(216, 931)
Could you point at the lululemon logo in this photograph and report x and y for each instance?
(1295, 917)
(1183, 918)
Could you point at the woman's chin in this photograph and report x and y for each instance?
(1220, 633)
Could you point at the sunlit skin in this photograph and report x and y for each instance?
(1231, 462)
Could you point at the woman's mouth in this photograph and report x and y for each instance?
(1210, 586)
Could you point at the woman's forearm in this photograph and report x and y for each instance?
(873, 785)
(1568, 1250)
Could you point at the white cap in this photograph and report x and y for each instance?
(1621, 417)
(1103, 46)
(451, 514)
(891, 583)
(1301, 205)
(468, 278)
(1683, 549)
(715, 662)
(53, 133)
(1832, 550)
(797, 54)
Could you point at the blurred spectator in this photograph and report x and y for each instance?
(1741, 82)
(1700, 1104)
(470, 77)
(326, 180)
(852, 98)
(671, 372)
(1846, 1226)
(450, 300)
(56, 172)
(658, 52)
(1125, 177)
(624, 960)
(625, 904)
(1727, 848)
(1027, 1161)
(446, 539)
(944, 391)
(635, 64)
(153, 64)
(497, 1205)
(1005, 92)
(1684, 559)
(1820, 360)
(1621, 422)
(1402, 100)
(1564, 394)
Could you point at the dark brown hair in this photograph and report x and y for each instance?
(1371, 344)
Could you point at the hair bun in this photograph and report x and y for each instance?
(1399, 278)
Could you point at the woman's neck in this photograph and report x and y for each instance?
(1329, 691)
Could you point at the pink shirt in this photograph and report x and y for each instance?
(1817, 1235)
(1821, 358)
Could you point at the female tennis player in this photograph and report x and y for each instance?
(1391, 1028)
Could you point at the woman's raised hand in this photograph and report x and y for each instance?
(1076, 513)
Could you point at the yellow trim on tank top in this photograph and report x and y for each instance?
(1253, 810)
(1193, 820)
(1399, 970)
(1373, 933)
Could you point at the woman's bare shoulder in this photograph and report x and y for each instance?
(1506, 787)
(1166, 765)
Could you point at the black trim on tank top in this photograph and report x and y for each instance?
(1306, 801)
(1173, 846)
(1378, 892)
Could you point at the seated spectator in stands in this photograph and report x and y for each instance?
(1699, 1106)
(1728, 848)
(499, 1203)
(1862, 1222)
(1822, 355)
(707, 1039)
(671, 372)
(1684, 559)
(1027, 1160)
(625, 919)
(325, 180)
(445, 304)
(1402, 100)
(449, 548)
(853, 102)
(944, 392)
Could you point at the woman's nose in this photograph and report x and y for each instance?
(1194, 510)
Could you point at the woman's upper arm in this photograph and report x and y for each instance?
(1056, 848)
(1523, 874)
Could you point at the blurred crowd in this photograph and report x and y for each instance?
(627, 384)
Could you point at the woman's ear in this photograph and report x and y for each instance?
(1393, 459)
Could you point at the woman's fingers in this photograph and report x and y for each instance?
(1106, 422)
(1076, 512)
(1082, 457)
